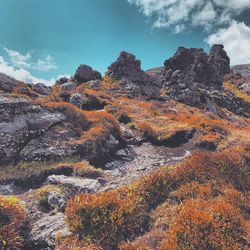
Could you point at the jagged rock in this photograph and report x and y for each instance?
(62, 80)
(75, 183)
(85, 73)
(45, 230)
(7, 83)
(41, 89)
(128, 70)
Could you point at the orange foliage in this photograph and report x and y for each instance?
(12, 219)
(206, 225)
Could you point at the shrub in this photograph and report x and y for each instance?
(108, 217)
(206, 225)
(13, 217)
(229, 166)
(72, 113)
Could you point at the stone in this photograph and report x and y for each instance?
(85, 73)
(86, 102)
(45, 230)
(7, 83)
(127, 69)
(41, 89)
(56, 201)
(245, 87)
(68, 86)
(75, 183)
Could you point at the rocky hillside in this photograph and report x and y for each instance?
(134, 159)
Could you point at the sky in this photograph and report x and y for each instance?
(41, 41)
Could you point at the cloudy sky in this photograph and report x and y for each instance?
(41, 40)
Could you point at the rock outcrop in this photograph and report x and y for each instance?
(85, 73)
(7, 83)
(33, 133)
(127, 69)
(190, 72)
(244, 70)
(41, 89)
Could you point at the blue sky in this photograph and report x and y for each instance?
(41, 40)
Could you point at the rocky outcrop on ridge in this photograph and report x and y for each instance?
(128, 70)
(190, 71)
(85, 73)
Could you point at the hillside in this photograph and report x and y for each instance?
(149, 160)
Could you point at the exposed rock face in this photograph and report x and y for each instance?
(41, 89)
(45, 230)
(33, 133)
(85, 73)
(244, 70)
(193, 77)
(78, 185)
(7, 83)
(191, 70)
(128, 69)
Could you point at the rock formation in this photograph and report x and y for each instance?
(128, 70)
(190, 71)
(85, 73)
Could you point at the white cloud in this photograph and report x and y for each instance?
(236, 40)
(183, 13)
(21, 74)
(18, 59)
(45, 65)
(25, 61)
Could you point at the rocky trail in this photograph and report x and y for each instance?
(129, 163)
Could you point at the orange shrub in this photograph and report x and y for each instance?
(12, 219)
(206, 225)
(108, 217)
(72, 113)
(229, 166)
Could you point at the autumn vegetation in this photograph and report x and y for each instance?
(12, 221)
(203, 205)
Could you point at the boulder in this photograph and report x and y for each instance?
(68, 86)
(86, 102)
(41, 89)
(85, 73)
(45, 230)
(245, 87)
(7, 83)
(127, 69)
(75, 184)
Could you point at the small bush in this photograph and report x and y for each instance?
(206, 225)
(13, 218)
(108, 217)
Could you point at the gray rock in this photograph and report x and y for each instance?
(7, 83)
(128, 70)
(85, 73)
(45, 230)
(41, 89)
(246, 87)
(75, 183)
(68, 86)
(56, 201)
